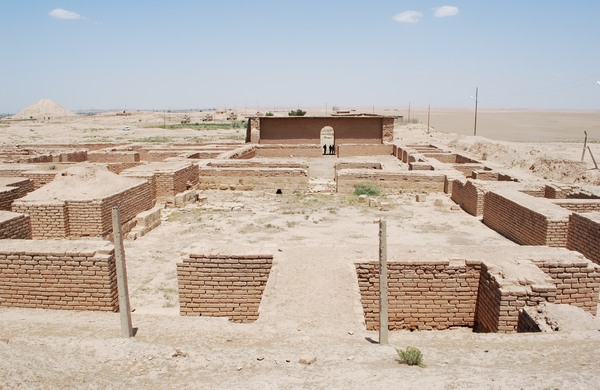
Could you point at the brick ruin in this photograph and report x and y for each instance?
(45, 263)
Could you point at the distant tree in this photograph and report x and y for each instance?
(269, 113)
(297, 112)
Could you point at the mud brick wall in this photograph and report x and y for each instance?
(390, 182)
(485, 175)
(113, 156)
(40, 178)
(223, 285)
(469, 195)
(348, 150)
(15, 188)
(500, 300)
(577, 282)
(257, 164)
(579, 205)
(450, 158)
(467, 169)
(49, 219)
(526, 322)
(65, 275)
(584, 235)
(84, 218)
(525, 219)
(422, 294)
(120, 167)
(267, 179)
(170, 183)
(488, 302)
(14, 225)
(289, 151)
(158, 155)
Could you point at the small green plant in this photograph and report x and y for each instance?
(297, 112)
(411, 356)
(269, 113)
(365, 190)
(484, 156)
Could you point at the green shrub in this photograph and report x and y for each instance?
(411, 356)
(366, 190)
(269, 113)
(297, 112)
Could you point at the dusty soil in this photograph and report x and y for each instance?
(310, 308)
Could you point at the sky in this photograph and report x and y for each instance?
(146, 54)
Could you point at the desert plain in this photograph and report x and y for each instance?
(310, 310)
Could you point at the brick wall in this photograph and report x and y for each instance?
(84, 218)
(49, 219)
(14, 225)
(584, 235)
(223, 285)
(113, 156)
(421, 294)
(289, 151)
(577, 282)
(348, 150)
(170, 183)
(578, 205)
(525, 219)
(11, 189)
(469, 195)
(390, 182)
(74, 275)
(267, 179)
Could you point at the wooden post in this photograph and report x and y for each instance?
(383, 283)
(584, 145)
(124, 308)
(593, 159)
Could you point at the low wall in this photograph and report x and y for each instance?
(348, 150)
(423, 295)
(74, 275)
(223, 285)
(469, 195)
(578, 205)
(168, 178)
(289, 151)
(577, 281)
(14, 225)
(390, 182)
(86, 217)
(525, 219)
(429, 291)
(253, 179)
(11, 189)
(584, 235)
(113, 156)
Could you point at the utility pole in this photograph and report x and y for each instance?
(428, 117)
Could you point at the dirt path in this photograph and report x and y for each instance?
(313, 288)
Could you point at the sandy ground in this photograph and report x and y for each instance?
(310, 308)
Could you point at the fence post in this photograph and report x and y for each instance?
(124, 308)
(383, 283)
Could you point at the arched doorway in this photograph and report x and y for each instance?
(328, 140)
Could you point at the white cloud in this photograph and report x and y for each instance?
(408, 17)
(59, 13)
(444, 11)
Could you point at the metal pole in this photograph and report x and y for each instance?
(124, 308)
(383, 283)
(476, 101)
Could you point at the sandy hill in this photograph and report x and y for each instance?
(44, 108)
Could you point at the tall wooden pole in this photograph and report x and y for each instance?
(383, 283)
(584, 145)
(476, 101)
(124, 308)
